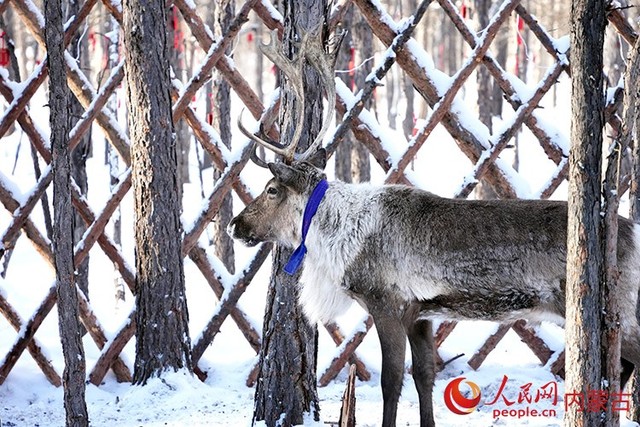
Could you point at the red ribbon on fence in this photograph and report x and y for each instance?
(4, 50)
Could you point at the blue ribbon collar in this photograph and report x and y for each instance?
(309, 212)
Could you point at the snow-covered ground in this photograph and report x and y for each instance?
(510, 373)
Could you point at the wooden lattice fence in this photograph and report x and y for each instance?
(400, 50)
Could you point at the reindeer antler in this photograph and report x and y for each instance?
(312, 51)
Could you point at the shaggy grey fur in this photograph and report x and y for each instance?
(408, 256)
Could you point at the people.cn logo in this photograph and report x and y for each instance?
(457, 402)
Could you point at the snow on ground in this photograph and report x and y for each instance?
(223, 400)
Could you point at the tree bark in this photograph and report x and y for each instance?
(68, 323)
(485, 94)
(363, 42)
(78, 49)
(610, 313)
(112, 159)
(485, 90)
(584, 252)
(345, 60)
(632, 122)
(351, 157)
(178, 64)
(222, 242)
(162, 334)
(286, 392)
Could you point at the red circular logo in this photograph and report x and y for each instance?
(456, 402)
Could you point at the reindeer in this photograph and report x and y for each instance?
(408, 256)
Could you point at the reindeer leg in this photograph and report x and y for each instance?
(625, 374)
(393, 339)
(421, 340)
(630, 352)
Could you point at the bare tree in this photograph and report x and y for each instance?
(222, 243)
(112, 30)
(631, 127)
(178, 65)
(286, 387)
(344, 62)
(588, 353)
(363, 43)
(161, 317)
(351, 157)
(79, 50)
(485, 93)
(69, 325)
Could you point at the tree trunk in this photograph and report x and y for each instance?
(344, 62)
(363, 43)
(351, 157)
(583, 364)
(161, 316)
(286, 391)
(110, 27)
(222, 242)
(178, 64)
(485, 94)
(484, 79)
(78, 49)
(632, 123)
(69, 325)
(610, 313)
(409, 7)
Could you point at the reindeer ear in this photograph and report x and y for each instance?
(318, 159)
(283, 173)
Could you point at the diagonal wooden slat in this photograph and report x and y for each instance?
(40, 242)
(443, 106)
(87, 317)
(501, 140)
(535, 343)
(338, 338)
(378, 74)
(489, 345)
(227, 303)
(31, 15)
(215, 52)
(112, 350)
(468, 142)
(224, 64)
(199, 257)
(27, 331)
(30, 86)
(80, 86)
(33, 347)
(553, 151)
(620, 22)
(345, 351)
(21, 214)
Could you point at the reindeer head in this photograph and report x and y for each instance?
(276, 214)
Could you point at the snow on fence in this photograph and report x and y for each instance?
(441, 91)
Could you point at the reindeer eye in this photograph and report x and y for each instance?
(272, 191)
